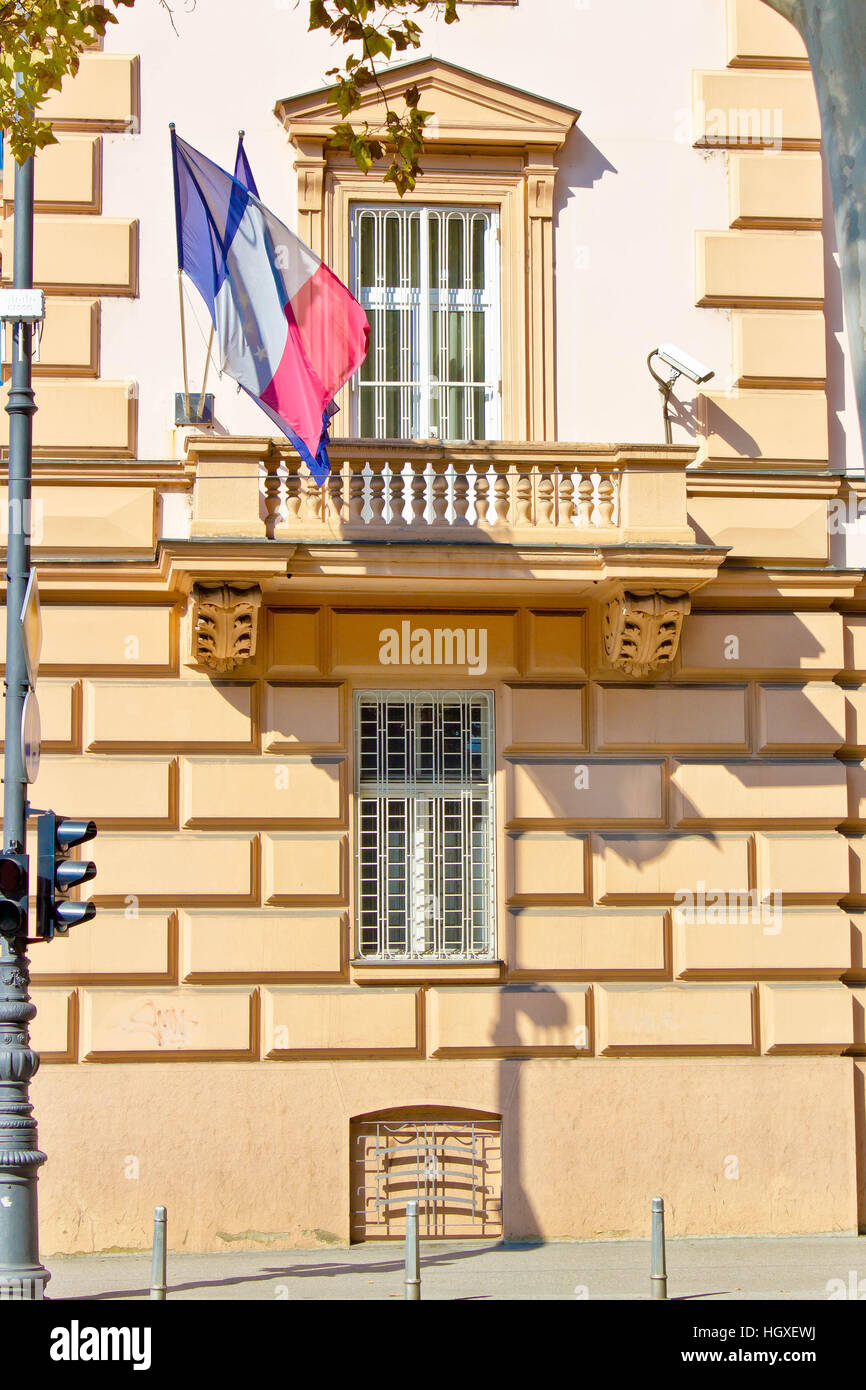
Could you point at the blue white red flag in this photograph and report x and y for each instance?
(287, 330)
(243, 172)
(322, 465)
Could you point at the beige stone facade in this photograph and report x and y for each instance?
(669, 997)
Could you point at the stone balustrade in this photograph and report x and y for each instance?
(537, 494)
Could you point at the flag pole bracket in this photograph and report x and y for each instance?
(194, 409)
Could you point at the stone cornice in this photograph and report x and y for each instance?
(471, 109)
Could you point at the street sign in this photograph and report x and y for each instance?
(31, 628)
(31, 736)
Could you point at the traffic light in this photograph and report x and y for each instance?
(56, 875)
(13, 894)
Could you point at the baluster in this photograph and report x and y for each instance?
(460, 493)
(566, 500)
(418, 494)
(396, 497)
(355, 493)
(311, 501)
(272, 495)
(293, 496)
(584, 503)
(482, 499)
(501, 499)
(334, 497)
(605, 502)
(440, 498)
(377, 493)
(524, 500)
(544, 504)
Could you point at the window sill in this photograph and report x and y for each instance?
(376, 972)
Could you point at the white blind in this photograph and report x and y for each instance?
(424, 860)
(428, 278)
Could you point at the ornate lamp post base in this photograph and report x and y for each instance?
(21, 1275)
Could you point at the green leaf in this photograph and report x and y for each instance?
(374, 42)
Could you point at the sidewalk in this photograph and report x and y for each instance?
(792, 1267)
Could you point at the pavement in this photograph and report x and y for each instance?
(726, 1269)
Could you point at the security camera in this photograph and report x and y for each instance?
(683, 364)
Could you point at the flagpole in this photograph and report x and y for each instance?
(183, 344)
(180, 273)
(206, 366)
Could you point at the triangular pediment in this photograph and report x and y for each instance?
(470, 110)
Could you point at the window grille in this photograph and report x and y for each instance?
(428, 278)
(424, 863)
(451, 1168)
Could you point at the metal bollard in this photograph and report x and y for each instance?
(413, 1263)
(658, 1267)
(157, 1269)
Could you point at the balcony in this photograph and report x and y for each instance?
(405, 492)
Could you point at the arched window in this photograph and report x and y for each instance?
(449, 1160)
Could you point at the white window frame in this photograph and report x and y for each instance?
(425, 932)
(419, 383)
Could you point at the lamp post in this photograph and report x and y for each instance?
(21, 1274)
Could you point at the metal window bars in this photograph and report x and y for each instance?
(451, 1168)
(425, 859)
(428, 278)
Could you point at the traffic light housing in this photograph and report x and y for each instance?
(13, 894)
(57, 875)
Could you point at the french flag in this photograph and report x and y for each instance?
(287, 330)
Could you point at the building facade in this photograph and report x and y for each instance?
(486, 826)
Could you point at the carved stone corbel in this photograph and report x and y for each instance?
(642, 631)
(225, 624)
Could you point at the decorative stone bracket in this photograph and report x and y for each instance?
(642, 631)
(225, 624)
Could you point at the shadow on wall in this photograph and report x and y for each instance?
(718, 422)
(544, 1010)
(581, 165)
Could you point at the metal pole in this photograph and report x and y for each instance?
(21, 1274)
(183, 344)
(204, 378)
(157, 1268)
(658, 1268)
(413, 1264)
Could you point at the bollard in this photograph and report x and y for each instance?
(658, 1268)
(157, 1269)
(413, 1264)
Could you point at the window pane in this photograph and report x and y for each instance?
(393, 420)
(478, 348)
(479, 413)
(393, 325)
(367, 237)
(456, 265)
(423, 277)
(456, 407)
(424, 860)
(368, 413)
(479, 229)
(392, 266)
(434, 237)
(415, 251)
(456, 364)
